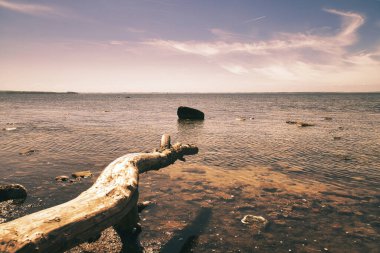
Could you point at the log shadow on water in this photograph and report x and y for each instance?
(186, 239)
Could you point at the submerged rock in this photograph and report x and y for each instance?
(257, 224)
(27, 152)
(303, 124)
(12, 191)
(142, 205)
(252, 219)
(184, 112)
(299, 123)
(62, 178)
(82, 174)
(9, 128)
(270, 189)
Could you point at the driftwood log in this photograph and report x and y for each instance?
(110, 201)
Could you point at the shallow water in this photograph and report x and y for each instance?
(272, 169)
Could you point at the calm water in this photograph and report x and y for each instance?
(339, 157)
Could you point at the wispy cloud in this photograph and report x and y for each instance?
(235, 69)
(351, 23)
(32, 9)
(314, 56)
(284, 41)
(229, 36)
(116, 42)
(254, 19)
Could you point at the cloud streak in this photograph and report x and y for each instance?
(288, 57)
(254, 19)
(31, 9)
(285, 41)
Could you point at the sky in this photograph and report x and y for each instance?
(190, 45)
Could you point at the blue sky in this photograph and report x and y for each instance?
(190, 46)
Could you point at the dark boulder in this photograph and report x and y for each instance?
(184, 112)
(12, 191)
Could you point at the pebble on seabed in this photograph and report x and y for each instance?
(249, 219)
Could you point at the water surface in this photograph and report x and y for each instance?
(260, 166)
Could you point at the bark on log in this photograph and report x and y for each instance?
(110, 201)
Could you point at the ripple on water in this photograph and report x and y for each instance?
(236, 158)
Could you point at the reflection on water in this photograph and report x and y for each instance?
(187, 128)
(318, 186)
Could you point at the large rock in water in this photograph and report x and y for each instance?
(184, 112)
(12, 191)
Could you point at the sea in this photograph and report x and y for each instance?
(315, 188)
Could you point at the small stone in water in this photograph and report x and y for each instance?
(62, 178)
(82, 174)
(358, 178)
(142, 205)
(251, 219)
(303, 124)
(270, 189)
(27, 152)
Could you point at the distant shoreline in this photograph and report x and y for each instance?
(190, 93)
(35, 92)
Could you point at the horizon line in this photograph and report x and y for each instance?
(163, 92)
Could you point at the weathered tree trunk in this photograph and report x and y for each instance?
(111, 201)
